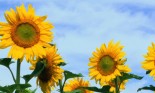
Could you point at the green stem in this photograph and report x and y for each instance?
(116, 85)
(60, 84)
(63, 85)
(12, 75)
(18, 75)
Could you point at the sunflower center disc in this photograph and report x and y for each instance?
(106, 65)
(25, 35)
(45, 75)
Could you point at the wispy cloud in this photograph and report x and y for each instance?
(81, 26)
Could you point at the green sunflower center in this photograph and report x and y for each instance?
(25, 34)
(106, 65)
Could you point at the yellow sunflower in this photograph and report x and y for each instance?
(52, 73)
(75, 84)
(149, 62)
(107, 63)
(25, 32)
(112, 85)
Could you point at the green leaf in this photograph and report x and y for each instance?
(147, 72)
(62, 64)
(5, 89)
(75, 91)
(126, 76)
(5, 62)
(104, 89)
(93, 89)
(24, 86)
(39, 68)
(29, 91)
(11, 88)
(69, 74)
(151, 87)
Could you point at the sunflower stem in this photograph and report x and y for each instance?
(116, 85)
(60, 84)
(18, 76)
(63, 84)
(12, 74)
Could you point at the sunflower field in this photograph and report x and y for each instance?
(27, 37)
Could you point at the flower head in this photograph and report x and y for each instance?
(148, 63)
(52, 73)
(107, 63)
(113, 86)
(25, 32)
(76, 83)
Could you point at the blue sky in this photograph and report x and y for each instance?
(83, 25)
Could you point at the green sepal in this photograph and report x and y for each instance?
(151, 87)
(6, 62)
(147, 72)
(62, 64)
(52, 44)
(39, 68)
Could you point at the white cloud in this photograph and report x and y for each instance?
(81, 26)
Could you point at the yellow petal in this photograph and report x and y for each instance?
(11, 16)
(18, 52)
(19, 13)
(23, 11)
(5, 36)
(112, 89)
(45, 38)
(102, 82)
(8, 19)
(40, 19)
(94, 73)
(29, 54)
(108, 78)
(148, 65)
(31, 12)
(6, 43)
(123, 68)
(44, 32)
(117, 73)
(45, 26)
(152, 73)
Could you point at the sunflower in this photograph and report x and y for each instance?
(75, 84)
(52, 73)
(107, 63)
(25, 32)
(112, 85)
(148, 63)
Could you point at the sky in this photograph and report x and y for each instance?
(80, 26)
